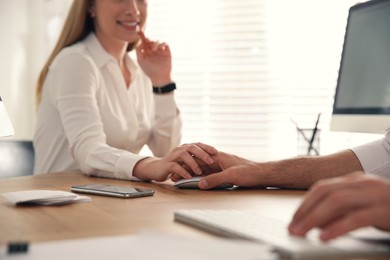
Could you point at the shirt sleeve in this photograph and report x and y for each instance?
(375, 156)
(166, 133)
(75, 83)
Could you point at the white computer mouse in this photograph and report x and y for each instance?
(193, 184)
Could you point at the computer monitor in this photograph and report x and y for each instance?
(362, 100)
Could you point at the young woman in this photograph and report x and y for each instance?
(97, 107)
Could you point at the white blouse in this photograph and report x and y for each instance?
(375, 156)
(89, 120)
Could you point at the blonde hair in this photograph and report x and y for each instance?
(77, 26)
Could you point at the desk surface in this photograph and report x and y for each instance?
(114, 216)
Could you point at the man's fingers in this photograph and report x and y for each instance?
(325, 210)
(313, 197)
(328, 208)
(213, 180)
(353, 220)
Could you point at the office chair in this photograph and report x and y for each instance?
(16, 158)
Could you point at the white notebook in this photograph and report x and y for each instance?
(44, 197)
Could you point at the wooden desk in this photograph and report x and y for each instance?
(114, 216)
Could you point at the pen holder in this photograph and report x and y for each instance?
(308, 142)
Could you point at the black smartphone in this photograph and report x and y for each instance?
(112, 190)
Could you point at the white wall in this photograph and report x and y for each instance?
(21, 58)
(27, 37)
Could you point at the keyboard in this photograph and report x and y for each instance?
(255, 227)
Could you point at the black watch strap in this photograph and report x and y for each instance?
(164, 89)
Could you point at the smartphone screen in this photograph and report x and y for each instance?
(112, 190)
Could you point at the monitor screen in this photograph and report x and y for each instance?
(362, 100)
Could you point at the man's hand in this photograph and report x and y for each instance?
(231, 169)
(343, 204)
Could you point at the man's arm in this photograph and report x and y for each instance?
(302, 172)
(297, 173)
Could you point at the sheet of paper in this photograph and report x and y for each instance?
(6, 127)
(146, 245)
(44, 197)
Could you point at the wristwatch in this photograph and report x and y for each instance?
(164, 89)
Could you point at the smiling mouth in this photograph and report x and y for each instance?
(129, 25)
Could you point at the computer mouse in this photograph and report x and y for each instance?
(193, 184)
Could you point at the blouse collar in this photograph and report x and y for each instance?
(100, 55)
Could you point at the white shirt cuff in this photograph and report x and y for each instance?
(375, 156)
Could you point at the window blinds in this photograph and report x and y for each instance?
(246, 68)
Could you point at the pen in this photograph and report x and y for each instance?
(313, 135)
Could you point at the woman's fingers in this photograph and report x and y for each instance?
(188, 153)
(201, 151)
(175, 177)
(175, 168)
(193, 158)
(182, 162)
(206, 169)
(207, 148)
(188, 159)
(147, 46)
(143, 38)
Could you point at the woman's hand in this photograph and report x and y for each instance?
(155, 60)
(343, 204)
(182, 161)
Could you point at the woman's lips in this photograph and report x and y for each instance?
(129, 25)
